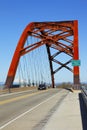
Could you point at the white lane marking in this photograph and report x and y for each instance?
(26, 112)
(14, 93)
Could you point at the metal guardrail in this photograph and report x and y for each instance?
(84, 94)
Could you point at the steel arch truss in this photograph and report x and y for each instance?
(61, 36)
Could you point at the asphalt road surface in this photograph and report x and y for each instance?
(29, 110)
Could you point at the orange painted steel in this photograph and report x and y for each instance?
(76, 55)
(54, 35)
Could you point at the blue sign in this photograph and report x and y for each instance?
(76, 63)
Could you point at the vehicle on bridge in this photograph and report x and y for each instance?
(42, 87)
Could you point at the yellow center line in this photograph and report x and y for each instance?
(20, 97)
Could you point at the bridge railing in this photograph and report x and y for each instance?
(84, 94)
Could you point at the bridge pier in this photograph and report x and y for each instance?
(76, 84)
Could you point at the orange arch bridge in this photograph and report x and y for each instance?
(61, 36)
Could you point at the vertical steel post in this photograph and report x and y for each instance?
(51, 67)
(76, 56)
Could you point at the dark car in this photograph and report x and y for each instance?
(42, 87)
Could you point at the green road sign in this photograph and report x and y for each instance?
(76, 63)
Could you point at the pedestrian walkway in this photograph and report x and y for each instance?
(68, 115)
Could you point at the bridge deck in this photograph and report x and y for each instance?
(68, 113)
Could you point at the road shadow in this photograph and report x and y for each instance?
(83, 110)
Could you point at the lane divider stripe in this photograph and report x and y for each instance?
(20, 97)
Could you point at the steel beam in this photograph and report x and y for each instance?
(76, 56)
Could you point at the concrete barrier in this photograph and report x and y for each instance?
(84, 94)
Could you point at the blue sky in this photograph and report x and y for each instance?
(16, 14)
